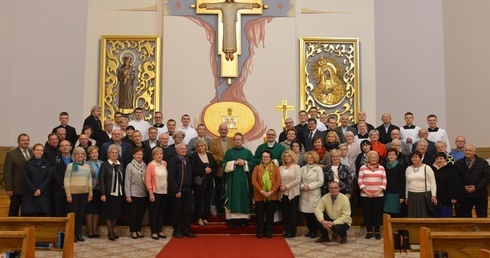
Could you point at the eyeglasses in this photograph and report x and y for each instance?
(333, 188)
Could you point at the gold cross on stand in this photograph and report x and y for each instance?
(284, 108)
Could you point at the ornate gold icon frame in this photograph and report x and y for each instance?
(123, 87)
(329, 75)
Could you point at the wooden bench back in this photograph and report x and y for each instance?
(46, 229)
(413, 225)
(15, 240)
(457, 244)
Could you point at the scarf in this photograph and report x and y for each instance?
(141, 169)
(321, 152)
(96, 167)
(391, 165)
(76, 165)
(363, 159)
(267, 176)
(116, 184)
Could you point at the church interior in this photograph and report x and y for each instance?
(424, 57)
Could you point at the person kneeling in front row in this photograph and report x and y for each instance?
(333, 212)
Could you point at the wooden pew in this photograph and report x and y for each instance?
(46, 229)
(15, 240)
(413, 225)
(484, 253)
(456, 243)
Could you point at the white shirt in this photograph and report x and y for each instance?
(440, 135)
(142, 126)
(320, 126)
(410, 133)
(189, 133)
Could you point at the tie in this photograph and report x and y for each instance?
(26, 155)
(311, 136)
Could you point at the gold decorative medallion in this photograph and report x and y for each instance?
(237, 116)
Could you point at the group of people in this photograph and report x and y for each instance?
(316, 169)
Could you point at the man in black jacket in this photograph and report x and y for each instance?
(475, 173)
(180, 192)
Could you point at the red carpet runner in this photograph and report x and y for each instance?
(230, 246)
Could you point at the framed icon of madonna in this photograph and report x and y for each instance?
(329, 75)
(129, 75)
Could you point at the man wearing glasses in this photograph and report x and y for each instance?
(336, 218)
(289, 123)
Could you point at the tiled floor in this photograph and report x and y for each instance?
(300, 246)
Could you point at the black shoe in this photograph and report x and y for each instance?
(191, 235)
(377, 235)
(79, 238)
(75, 239)
(155, 237)
(161, 235)
(335, 237)
(287, 236)
(260, 235)
(177, 235)
(112, 237)
(308, 234)
(97, 235)
(243, 225)
(313, 235)
(231, 225)
(322, 239)
(268, 235)
(140, 235)
(343, 240)
(369, 235)
(92, 236)
(116, 236)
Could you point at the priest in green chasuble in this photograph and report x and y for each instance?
(238, 165)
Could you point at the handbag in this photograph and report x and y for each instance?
(428, 196)
(401, 240)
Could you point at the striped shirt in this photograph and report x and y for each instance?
(372, 180)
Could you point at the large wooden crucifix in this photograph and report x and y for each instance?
(229, 29)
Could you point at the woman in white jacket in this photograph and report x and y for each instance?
(289, 194)
(311, 183)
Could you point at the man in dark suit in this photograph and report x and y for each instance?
(475, 173)
(344, 127)
(152, 141)
(386, 128)
(125, 155)
(71, 133)
(105, 135)
(302, 126)
(51, 149)
(431, 147)
(93, 121)
(180, 192)
(58, 179)
(361, 116)
(13, 172)
(311, 134)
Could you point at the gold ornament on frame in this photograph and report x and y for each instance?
(329, 75)
(129, 75)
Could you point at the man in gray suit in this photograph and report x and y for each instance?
(13, 172)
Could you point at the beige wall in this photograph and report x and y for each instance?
(410, 61)
(411, 54)
(466, 50)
